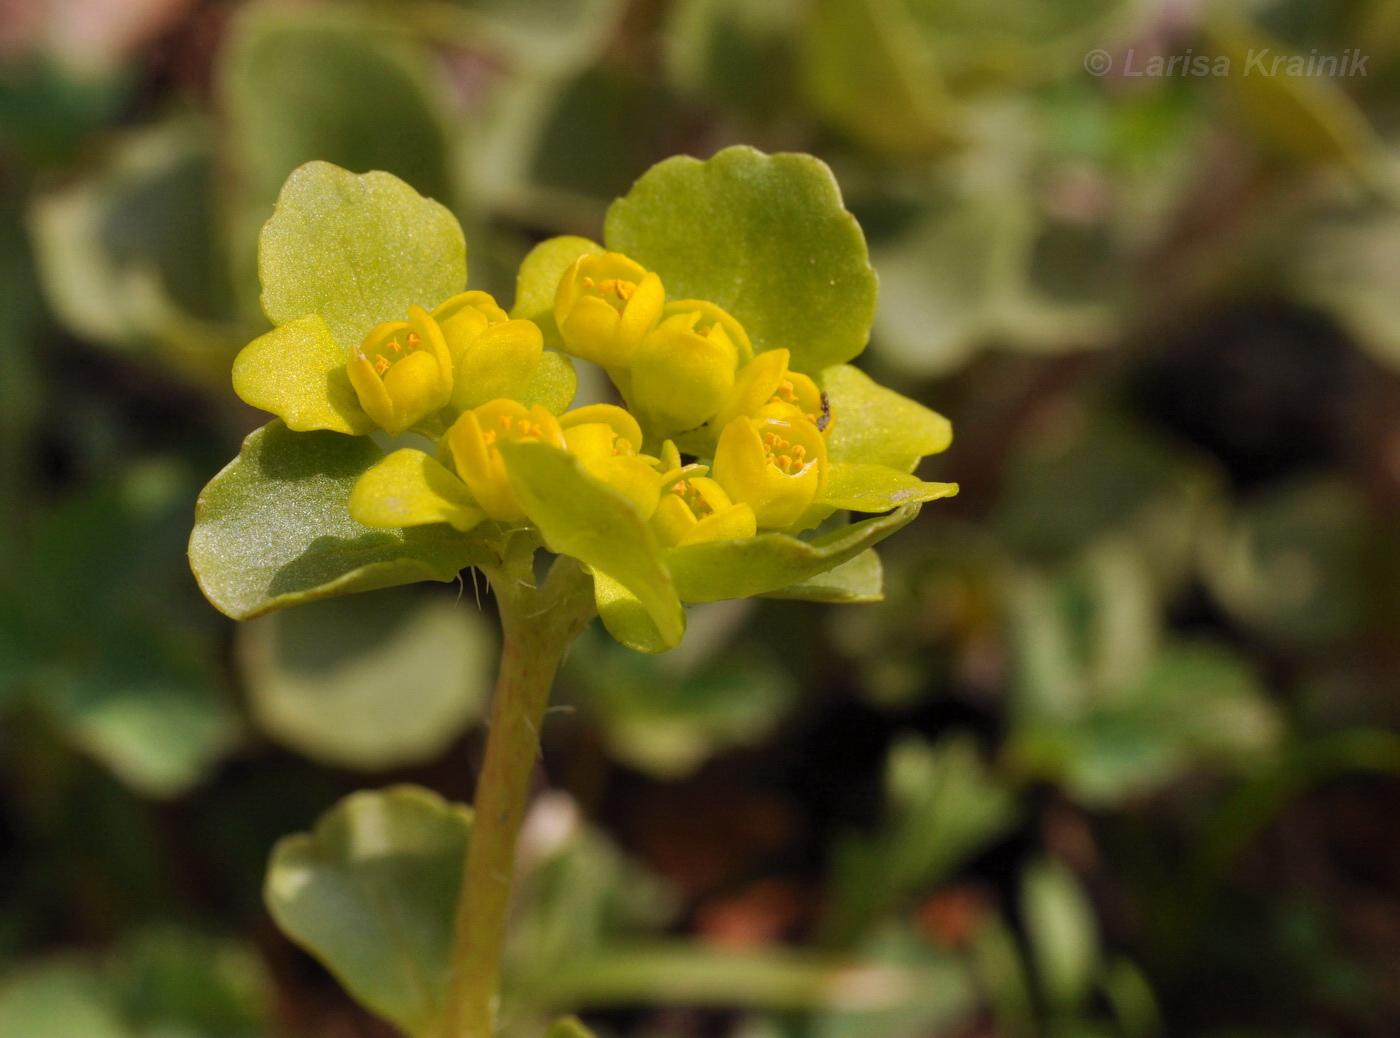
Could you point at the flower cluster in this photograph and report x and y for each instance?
(754, 431)
(733, 431)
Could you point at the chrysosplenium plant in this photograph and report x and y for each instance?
(723, 305)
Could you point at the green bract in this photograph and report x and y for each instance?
(724, 303)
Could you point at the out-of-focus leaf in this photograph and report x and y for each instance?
(740, 53)
(942, 806)
(1298, 117)
(357, 250)
(765, 237)
(1062, 931)
(180, 982)
(310, 82)
(1290, 561)
(58, 1000)
(1350, 264)
(945, 998)
(867, 69)
(371, 681)
(272, 529)
(371, 892)
(668, 723)
(582, 517)
(773, 561)
(135, 257)
(568, 1027)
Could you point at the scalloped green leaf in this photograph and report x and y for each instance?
(541, 270)
(297, 372)
(878, 426)
(357, 250)
(878, 488)
(273, 528)
(861, 579)
(583, 517)
(772, 561)
(767, 238)
(371, 892)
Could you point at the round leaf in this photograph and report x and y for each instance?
(357, 250)
(369, 682)
(273, 528)
(766, 238)
(371, 892)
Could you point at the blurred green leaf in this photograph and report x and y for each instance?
(867, 69)
(942, 805)
(764, 237)
(309, 82)
(944, 999)
(134, 256)
(370, 681)
(1063, 934)
(272, 529)
(58, 1000)
(372, 891)
(568, 1027)
(667, 723)
(737, 52)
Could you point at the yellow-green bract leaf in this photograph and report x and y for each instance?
(273, 528)
(625, 617)
(583, 517)
(409, 488)
(297, 372)
(766, 238)
(371, 892)
(878, 488)
(772, 561)
(878, 426)
(555, 383)
(329, 679)
(861, 579)
(357, 250)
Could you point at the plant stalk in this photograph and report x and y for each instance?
(538, 625)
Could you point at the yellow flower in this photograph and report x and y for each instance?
(775, 465)
(605, 438)
(472, 441)
(696, 510)
(766, 388)
(402, 371)
(684, 369)
(492, 356)
(605, 305)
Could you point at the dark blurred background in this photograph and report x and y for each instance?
(1118, 754)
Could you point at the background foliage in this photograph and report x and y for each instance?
(1116, 755)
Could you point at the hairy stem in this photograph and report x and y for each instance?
(538, 625)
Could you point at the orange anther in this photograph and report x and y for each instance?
(413, 339)
(505, 422)
(381, 364)
(394, 345)
(488, 437)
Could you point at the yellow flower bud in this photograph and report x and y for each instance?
(775, 465)
(605, 438)
(492, 356)
(684, 369)
(472, 442)
(605, 305)
(696, 510)
(402, 371)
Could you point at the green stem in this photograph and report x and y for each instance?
(538, 626)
